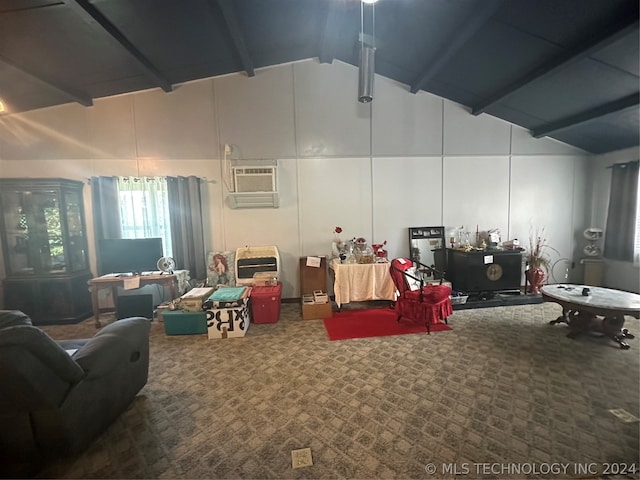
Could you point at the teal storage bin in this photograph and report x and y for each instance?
(177, 322)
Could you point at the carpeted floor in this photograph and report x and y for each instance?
(502, 390)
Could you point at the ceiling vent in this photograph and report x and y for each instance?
(255, 186)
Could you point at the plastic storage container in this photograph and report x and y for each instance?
(265, 303)
(178, 322)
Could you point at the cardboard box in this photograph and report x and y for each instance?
(178, 322)
(192, 300)
(228, 322)
(265, 279)
(314, 279)
(316, 311)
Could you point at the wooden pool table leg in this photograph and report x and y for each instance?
(564, 318)
(612, 327)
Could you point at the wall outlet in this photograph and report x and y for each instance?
(301, 458)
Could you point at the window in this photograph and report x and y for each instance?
(144, 209)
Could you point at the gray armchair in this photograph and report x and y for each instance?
(53, 403)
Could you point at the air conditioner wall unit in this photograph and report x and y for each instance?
(254, 200)
(255, 186)
(254, 179)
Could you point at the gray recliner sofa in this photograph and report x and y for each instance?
(53, 403)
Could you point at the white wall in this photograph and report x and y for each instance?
(404, 160)
(617, 274)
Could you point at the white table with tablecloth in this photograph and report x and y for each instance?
(360, 282)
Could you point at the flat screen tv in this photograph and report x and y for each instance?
(129, 255)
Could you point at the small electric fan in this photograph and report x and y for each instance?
(166, 264)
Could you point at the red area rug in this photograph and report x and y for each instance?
(373, 322)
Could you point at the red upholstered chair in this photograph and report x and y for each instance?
(417, 301)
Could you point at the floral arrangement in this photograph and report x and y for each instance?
(338, 247)
(538, 256)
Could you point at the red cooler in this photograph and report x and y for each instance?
(265, 303)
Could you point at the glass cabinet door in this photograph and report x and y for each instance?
(34, 232)
(44, 231)
(76, 248)
(16, 237)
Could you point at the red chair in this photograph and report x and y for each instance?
(417, 301)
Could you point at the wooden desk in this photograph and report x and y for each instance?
(113, 282)
(581, 312)
(359, 282)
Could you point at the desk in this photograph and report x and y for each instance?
(581, 312)
(359, 282)
(113, 282)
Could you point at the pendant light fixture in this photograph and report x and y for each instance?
(367, 54)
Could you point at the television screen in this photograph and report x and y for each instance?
(129, 255)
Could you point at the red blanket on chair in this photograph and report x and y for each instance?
(434, 308)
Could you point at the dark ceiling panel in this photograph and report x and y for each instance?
(174, 34)
(613, 132)
(400, 31)
(559, 95)
(564, 23)
(517, 117)
(55, 52)
(7, 6)
(496, 57)
(622, 54)
(294, 34)
(596, 113)
(57, 42)
(22, 92)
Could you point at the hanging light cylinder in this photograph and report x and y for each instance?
(366, 73)
(367, 69)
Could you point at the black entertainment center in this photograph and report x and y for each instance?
(484, 271)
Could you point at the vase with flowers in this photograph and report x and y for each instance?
(338, 246)
(538, 260)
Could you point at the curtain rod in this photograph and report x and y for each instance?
(623, 163)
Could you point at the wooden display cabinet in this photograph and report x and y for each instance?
(44, 246)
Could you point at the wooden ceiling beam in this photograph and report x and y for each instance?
(588, 115)
(98, 21)
(592, 45)
(236, 35)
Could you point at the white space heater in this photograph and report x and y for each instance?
(258, 259)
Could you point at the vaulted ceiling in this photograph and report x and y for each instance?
(566, 69)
